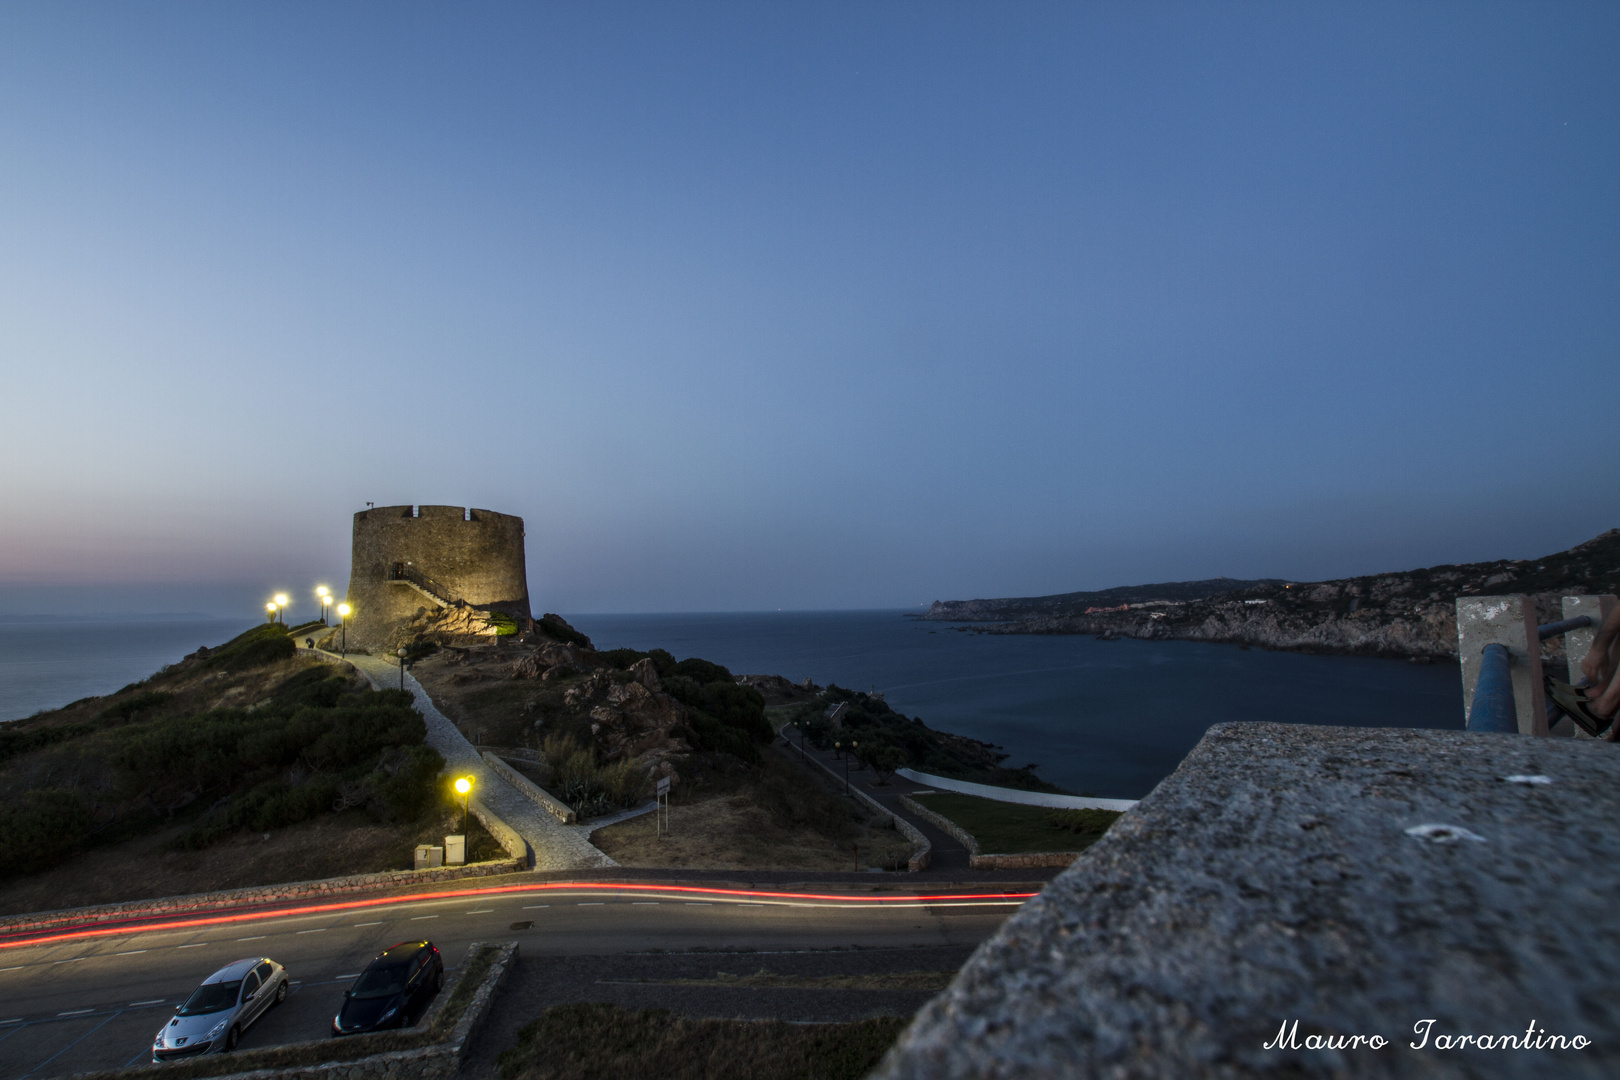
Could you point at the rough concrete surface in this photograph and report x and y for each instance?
(1273, 878)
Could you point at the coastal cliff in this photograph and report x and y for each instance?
(1410, 614)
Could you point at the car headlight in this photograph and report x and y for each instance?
(219, 1027)
(391, 1011)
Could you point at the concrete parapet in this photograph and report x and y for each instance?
(1404, 884)
(529, 789)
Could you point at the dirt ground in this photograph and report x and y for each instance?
(781, 817)
(145, 868)
(472, 688)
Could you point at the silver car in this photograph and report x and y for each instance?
(217, 1012)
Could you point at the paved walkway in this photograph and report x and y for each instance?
(948, 852)
(552, 845)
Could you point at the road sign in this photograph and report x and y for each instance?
(663, 786)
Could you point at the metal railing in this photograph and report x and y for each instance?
(411, 575)
(1506, 679)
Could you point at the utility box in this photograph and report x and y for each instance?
(422, 853)
(455, 850)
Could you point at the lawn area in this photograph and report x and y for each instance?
(1012, 828)
(584, 1041)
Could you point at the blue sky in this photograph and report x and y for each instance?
(799, 306)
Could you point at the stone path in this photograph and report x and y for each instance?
(552, 845)
(948, 852)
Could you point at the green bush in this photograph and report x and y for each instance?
(1084, 820)
(556, 628)
(504, 624)
(41, 828)
(262, 645)
(589, 788)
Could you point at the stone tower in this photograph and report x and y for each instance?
(407, 558)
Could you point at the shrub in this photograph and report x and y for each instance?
(557, 629)
(41, 829)
(504, 624)
(1084, 820)
(620, 658)
(255, 648)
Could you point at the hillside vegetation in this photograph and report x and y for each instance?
(243, 738)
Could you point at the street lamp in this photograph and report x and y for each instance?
(401, 655)
(324, 597)
(463, 787)
(343, 614)
(271, 609)
(281, 602)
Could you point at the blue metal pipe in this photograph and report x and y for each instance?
(1563, 626)
(1493, 695)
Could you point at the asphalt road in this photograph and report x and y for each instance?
(93, 1002)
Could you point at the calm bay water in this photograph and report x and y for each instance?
(44, 665)
(1111, 718)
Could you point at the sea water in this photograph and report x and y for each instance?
(47, 663)
(1109, 718)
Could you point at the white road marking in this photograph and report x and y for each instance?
(73, 960)
(19, 967)
(481, 911)
(590, 903)
(419, 918)
(356, 975)
(198, 945)
(643, 903)
(13, 1020)
(154, 1001)
(366, 924)
(132, 952)
(699, 903)
(531, 907)
(322, 930)
(75, 1012)
(256, 937)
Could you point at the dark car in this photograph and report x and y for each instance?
(393, 991)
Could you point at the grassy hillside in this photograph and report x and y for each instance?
(245, 738)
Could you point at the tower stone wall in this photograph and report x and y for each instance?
(407, 558)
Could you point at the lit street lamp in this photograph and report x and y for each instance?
(463, 787)
(343, 614)
(281, 602)
(324, 596)
(270, 608)
(401, 655)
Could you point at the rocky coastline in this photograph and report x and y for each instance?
(1409, 615)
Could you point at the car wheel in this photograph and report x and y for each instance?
(281, 992)
(230, 1038)
(438, 981)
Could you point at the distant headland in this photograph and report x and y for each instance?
(1408, 614)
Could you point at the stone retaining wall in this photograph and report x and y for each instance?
(922, 852)
(504, 834)
(253, 897)
(977, 861)
(530, 790)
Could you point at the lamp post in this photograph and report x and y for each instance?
(464, 788)
(343, 615)
(281, 602)
(270, 610)
(401, 655)
(323, 596)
